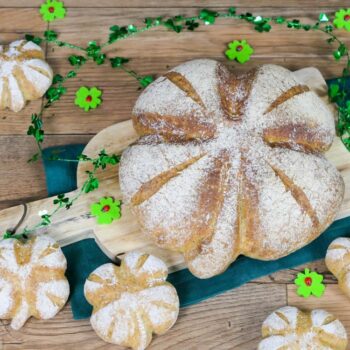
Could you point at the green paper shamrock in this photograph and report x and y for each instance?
(208, 16)
(88, 98)
(51, 10)
(309, 283)
(342, 19)
(106, 210)
(239, 51)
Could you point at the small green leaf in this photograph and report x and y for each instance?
(118, 32)
(333, 91)
(71, 74)
(146, 80)
(323, 17)
(232, 11)
(295, 23)
(76, 60)
(132, 28)
(54, 94)
(328, 28)
(57, 79)
(50, 35)
(171, 25)
(34, 158)
(149, 22)
(337, 55)
(34, 39)
(94, 51)
(280, 20)
(118, 61)
(208, 16)
(191, 24)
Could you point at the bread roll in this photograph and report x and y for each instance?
(338, 262)
(24, 74)
(132, 301)
(291, 329)
(32, 280)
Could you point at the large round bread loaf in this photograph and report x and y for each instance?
(229, 165)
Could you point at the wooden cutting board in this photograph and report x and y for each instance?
(123, 235)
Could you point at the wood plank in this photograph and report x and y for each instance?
(333, 301)
(21, 181)
(182, 3)
(161, 50)
(229, 321)
(288, 276)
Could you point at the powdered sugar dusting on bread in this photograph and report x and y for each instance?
(338, 262)
(28, 282)
(301, 330)
(167, 215)
(274, 321)
(127, 311)
(22, 61)
(338, 249)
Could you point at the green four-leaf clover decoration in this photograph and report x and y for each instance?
(88, 98)
(52, 9)
(342, 19)
(309, 283)
(106, 210)
(239, 51)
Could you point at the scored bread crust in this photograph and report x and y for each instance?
(291, 328)
(229, 165)
(24, 74)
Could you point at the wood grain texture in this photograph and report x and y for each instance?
(181, 3)
(21, 181)
(232, 320)
(229, 321)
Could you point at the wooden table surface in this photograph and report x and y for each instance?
(231, 320)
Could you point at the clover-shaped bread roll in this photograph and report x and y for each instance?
(229, 165)
(32, 280)
(288, 328)
(132, 301)
(24, 74)
(338, 262)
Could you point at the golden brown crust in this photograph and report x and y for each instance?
(291, 328)
(248, 215)
(234, 91)
(280, 192)
(149, 188)
(172, 128)
(286, 95)
(210, 202)
(298, 194)
(338, 262)
(36, 279)
(289, 136)
(183, 84)
(132, 301)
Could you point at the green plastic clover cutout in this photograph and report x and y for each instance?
(106, 210)
(310, 283)
(51, 10)
(342, 19)
(239, 51)
(88, 98)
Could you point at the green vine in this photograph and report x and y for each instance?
(64, 202)
(94, 52)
